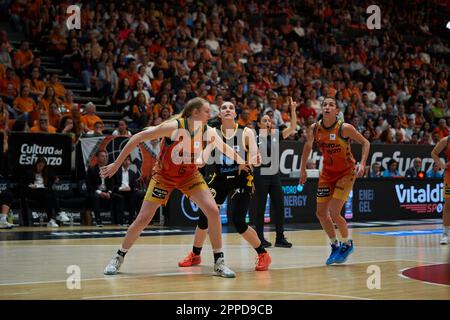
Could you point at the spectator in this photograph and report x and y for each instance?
(9, 86)
(66, 126)
(124, 96)
(101, 190)
(434, 172)
(126, 186)
(23, 58)
(90, 118)
(108, 82)
(38, 187)
(272, 107)
(60, 91)
(36, 85)
(141, 110)
(43, 126)
(391, 171)
(415, 169)
(376, 171)
(122, 129)
(98, 130)
(24, 105)
(441, 129)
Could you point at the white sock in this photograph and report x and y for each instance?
(217, 250)
(346, 240)
(334, 240)
(446, 230)
(123, 249)
(3, 217)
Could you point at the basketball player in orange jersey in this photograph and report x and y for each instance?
(227, 181)
(337, 176)
(170, 173)
(443, 145)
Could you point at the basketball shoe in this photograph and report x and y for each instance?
(344, 251)
(190, 260)
(114, 265)
(334, 252)
(221, 270)
(263, 261)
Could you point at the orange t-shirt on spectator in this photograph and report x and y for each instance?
(23, 57)
(35, 85)
(442, 133)
(2, 71)
(9, 87)
(157, 108)
(254, 113)
(24, 104)
(37, 128)
(54, 119)
(89, 121)
(60, 91)
(132, 77)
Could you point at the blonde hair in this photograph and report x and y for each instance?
(194, 103)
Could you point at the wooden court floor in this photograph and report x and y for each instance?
(37, 269)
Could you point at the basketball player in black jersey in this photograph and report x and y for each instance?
(229, 179)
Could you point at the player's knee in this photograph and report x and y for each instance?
(321, 214)
(211, 211)
(240, 226)
(202, 222)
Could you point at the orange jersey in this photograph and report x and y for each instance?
(179, 170)
(335, 149)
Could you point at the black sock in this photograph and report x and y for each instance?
(121, 253)
(196, 250)
(260, 249)
(217, 255)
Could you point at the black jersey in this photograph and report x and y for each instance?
(223, 165)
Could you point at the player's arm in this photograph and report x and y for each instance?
(293, 125)
(165, 129)
(349, 131)
(306, 152)
(437, 150)
(213, 137)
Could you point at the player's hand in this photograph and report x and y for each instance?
(109, 170)
(360, 170)
(244, 167)
(303, 177)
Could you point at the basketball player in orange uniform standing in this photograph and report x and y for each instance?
(443, 145)
(177, 168)
(337, 176)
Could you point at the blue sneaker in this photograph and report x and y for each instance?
(334, 252)
(344, 252)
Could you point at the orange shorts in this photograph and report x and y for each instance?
(337, 187)
(446, 190)
(160, 188)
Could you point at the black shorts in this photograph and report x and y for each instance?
(223, 186)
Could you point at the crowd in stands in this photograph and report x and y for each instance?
(146, 59)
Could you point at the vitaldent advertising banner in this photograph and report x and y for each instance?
(26, 148)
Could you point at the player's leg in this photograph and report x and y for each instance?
(341, 192)
(204, 199)
(201, 231)
(445, 222)
(157, 194)
(240, 202)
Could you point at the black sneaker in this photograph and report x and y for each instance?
(282, 243)
(265, 243)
